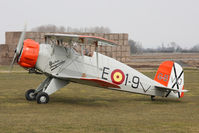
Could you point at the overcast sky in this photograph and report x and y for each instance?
(151, 22)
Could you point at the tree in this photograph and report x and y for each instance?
(170, 47)
(95, 29)
(136, 47)
(49, 28)
(53, 28)
(195, 48)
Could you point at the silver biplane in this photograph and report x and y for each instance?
(64, 59)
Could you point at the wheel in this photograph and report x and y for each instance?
(152, 98)
(42, 98)
(30, 96)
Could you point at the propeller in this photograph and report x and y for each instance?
(18, 48)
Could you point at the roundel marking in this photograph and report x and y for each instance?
(117, 76)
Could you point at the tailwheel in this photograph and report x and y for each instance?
(152, 98)
(42, 98)
(30, 95)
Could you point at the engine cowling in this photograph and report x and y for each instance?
(29, 54)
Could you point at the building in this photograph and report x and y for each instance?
(120, 53)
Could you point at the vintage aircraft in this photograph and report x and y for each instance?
(62, 62)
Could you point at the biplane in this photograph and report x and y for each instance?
(63, 58)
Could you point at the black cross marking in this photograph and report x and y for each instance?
(176, 83)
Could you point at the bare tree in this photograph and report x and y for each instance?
(170, 47)
(195, 48)
(53, 28)
(136, 47)
(49, 28)
(89, 29)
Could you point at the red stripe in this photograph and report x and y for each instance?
(182, 93)
(94, 37)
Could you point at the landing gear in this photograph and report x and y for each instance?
(46, 88)
(42, 98)
(30, 95)
(152, 98)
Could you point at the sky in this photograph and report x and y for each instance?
(150, 22)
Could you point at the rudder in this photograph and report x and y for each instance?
(171, 75)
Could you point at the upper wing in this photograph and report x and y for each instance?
(81, 39)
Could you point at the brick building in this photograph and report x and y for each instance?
(120, 53)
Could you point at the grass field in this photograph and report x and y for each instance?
(83, 109)
(153, 60)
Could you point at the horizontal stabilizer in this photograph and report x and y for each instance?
(170, 89)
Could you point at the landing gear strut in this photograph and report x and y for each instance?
(152, 98)
(46, 88)
(39, 95)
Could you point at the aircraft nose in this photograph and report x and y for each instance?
(29, 54)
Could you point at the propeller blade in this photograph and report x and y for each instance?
(19, 48)
(12, 63)
(20, 43)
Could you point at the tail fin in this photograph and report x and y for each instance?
(171, 75)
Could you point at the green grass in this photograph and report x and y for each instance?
(79, 108)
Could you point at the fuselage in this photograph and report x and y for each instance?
(66, 62)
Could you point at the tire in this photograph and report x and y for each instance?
(30, 96)
(42, 98)
(152, 98)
